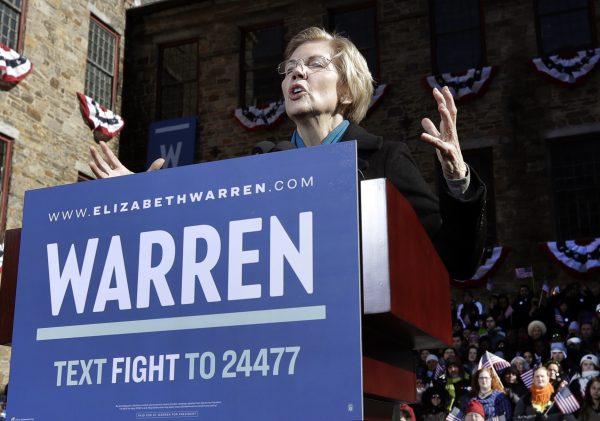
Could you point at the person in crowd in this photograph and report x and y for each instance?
(528, 357)
(493, 332)
(475, 411)
(590, 410)
(588, 370)
(521, 307)
(421, 367)
(449, 356)
(469, 311)
(588, 341)
(520, 364)
(486, 389)
(555, 374)
(327, 88)
(459, 345)
(456, 382)
(432, 362)
(435, 403)
(474, 338)
(513, 385)
(472, 360)
(403, 412)
(562, 316)
(558, 354)
(574, 351)
(504, 319)
(538, 402)
(536, 330)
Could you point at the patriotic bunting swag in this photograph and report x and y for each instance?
(492, 258)
(100, 119)
(254, 118)
(568, 70)
(469, 85)
(13, 66)
(579, 260)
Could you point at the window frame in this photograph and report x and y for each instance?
(241, 56)
(116, 60)
(550, 143)
(538, 31)
(161, 47)
(5, 183)
(22, 24)
(354, 7)
(433, 35)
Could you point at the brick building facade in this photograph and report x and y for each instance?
(535, 142)
(74, 46)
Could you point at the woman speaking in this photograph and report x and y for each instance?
(327, 88)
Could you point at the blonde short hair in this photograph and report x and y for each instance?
(356, 81)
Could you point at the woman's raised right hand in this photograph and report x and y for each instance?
(108, 165)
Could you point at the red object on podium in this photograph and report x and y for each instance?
(406, 293)
(406, 296)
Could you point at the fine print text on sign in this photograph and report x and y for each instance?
(216, 291)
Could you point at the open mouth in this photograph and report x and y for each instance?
(296, 92)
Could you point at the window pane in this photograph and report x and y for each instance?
(101, 50)
(9, 26)
(359, 26)
(457, 33)
(456, 15)
(551, 6)
(458, 51)
(98, 85)
(566, 31)
(576, 187)
(263, 51)
(178, 81)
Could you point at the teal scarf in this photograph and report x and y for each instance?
(333, 137)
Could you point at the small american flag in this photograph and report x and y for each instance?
(439, 370)
(527, 377)
(522, 273)
(490, 360)
(455, 415)
(566, 402)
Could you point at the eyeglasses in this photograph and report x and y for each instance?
(313, 63)
(435, 396)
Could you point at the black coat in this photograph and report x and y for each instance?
(457, 227)
(525, 411)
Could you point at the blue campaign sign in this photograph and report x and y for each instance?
(222, 291)
(174, 140)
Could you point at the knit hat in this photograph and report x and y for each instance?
(431, 357)
(573, 341)
(534, 324)
(574, 326)
(475, 407)
(558, 347)
(589, 357)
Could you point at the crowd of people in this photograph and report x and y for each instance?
(544, 351)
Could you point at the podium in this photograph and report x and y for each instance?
(406, 296)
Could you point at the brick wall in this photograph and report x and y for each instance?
(41, 113)
(514, 117)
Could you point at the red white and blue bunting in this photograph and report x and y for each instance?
(254, 118)
(568, 70)
(492, 259)
(576, 258)
(469, 85)
(13, 66)
(100, 119)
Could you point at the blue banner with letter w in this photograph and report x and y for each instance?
(222, 291)
(174, 140)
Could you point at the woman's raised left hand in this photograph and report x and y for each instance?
(445, 138)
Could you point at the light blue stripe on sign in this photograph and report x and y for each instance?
(205, 321)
